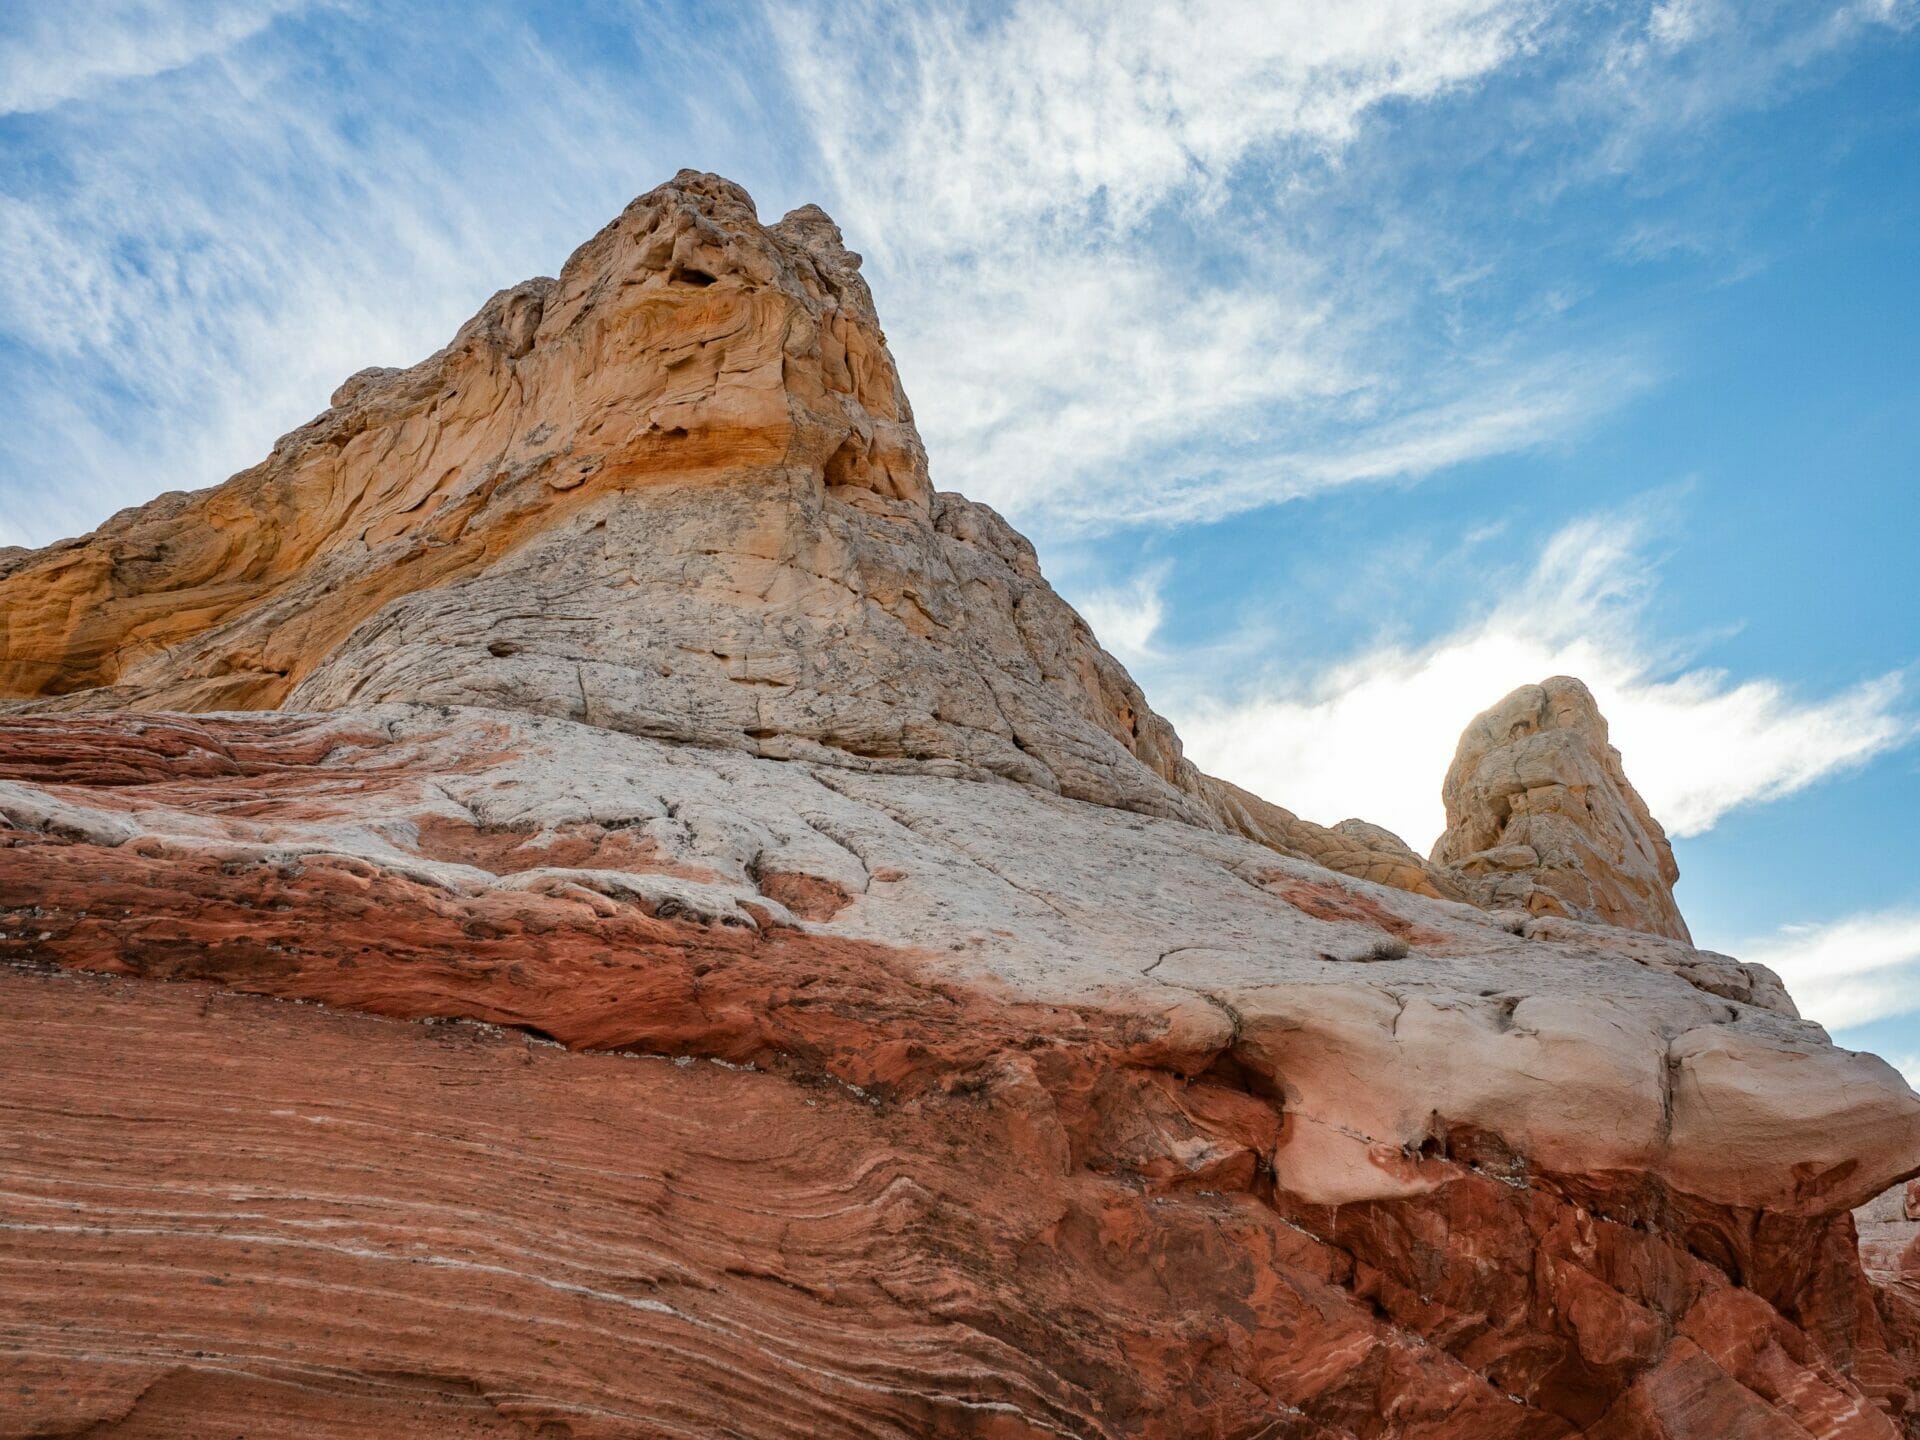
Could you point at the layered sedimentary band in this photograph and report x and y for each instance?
(583, 897)
(976, 1149)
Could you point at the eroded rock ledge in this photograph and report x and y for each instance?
(583, 897)
(1291, 1147)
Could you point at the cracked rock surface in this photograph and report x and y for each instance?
(583, 898)
(675, 492)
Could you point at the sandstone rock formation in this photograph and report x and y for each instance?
(1889, 1227)
(675, 492)
(581, 898)
(1288, 1144)
(1541, 817)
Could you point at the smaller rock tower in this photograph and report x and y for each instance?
(1542, 818)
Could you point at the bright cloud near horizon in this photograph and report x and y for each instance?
(1700, 743)
(1862, 968)
(1350, 361)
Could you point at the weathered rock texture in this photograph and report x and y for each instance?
(675, 492)
(1542, 818)
(1292, 1150)
(867, 1022)
(1889, 1229)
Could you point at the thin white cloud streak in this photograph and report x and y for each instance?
(1707, 746)
(1688, 64)
(53, 53)
(1372, 736)
(1079, 219)
(1126, 617)
(222, 244)
(1849, 971)
(1504, 409)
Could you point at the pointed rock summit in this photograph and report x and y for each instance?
(676, 492)
(767, 971)
(1542, 818)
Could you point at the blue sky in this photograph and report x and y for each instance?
(1350, 361)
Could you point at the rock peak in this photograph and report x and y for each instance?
(1542, 818)
(676, 491)
(617, 677)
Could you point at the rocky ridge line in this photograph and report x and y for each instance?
(863, 1019)
(676, 492)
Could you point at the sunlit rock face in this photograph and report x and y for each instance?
(1542, 818)
(676, 492)
(581, 897)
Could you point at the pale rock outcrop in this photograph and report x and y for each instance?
(1541, 817)
(676, 492)
(868, 1022)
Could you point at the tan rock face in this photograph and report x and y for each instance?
(871, 1024)
(1541, 817)
(675, 492)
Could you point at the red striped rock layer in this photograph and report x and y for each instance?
(218, 1206)
(939, 1202)
(222, 1205)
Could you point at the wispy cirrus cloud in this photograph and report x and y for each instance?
(1146, 263)
(1851, 971)
(1100, 229)
(1142, 262)
(192, 260)
(1126, 617)
(1683, 64)
(1089, 116)
(1372, 734)
(54, 53)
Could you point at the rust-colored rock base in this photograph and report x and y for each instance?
(223, 1205)
(827, 1185)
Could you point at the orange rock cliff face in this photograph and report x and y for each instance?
(581, 897)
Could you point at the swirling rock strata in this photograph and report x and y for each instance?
(1297, 1154)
